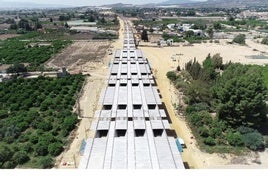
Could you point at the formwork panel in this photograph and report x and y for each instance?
(136, 95)
(133, 68)
(96, 160)
(117, 54)
(122, 95)
(109, 150)
(105, 114)
(121, 124)
(176, 154)
(94, 125)
(149, 95)
(162, 113)
(153, 153)
(142, 153)
(119, 159)
(165, 156)
(115, 68)
(109, 96)
(124, 68)
(103, 125)
(157, 124)
(166, 124)
(154, 113)
(131, 146)
(139, 124)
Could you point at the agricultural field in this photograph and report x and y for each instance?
(36, 118)
(32, 53)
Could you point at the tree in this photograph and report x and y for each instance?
(21, 157)
(38, 25)
(217, 61)
(24, 24)
(240, 39)
(5, 154)
(144, 36)
(46, 162)
(69, 122)
(66, 25)
(171, 75)
(198, 91)
(210, 141)
(41, 148)
(103, 21)
(55, 149)
(194, 68)
(17, 68)
(13, 26)
(217, 25)
(241, 95)
(210, 32)
(91, 18)
(64, 17)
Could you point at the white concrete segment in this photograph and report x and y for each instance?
(130, 129)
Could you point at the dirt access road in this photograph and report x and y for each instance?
(161, 63)
(94, 84)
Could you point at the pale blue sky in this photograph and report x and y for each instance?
(88, 2)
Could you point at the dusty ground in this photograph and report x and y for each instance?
(98, 69)
(81, 56)
(161, 63)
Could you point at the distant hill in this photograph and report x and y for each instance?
(238, 2)
(230, 3)
(117, 5)
(176, 2)
(217, 3)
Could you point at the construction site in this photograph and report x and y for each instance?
(131, 128)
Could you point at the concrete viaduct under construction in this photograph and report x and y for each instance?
(132, 130)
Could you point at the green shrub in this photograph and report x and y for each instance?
(21, 157)
(240, 39)
(210, 141)
(46, 162)
(201, 118)
(196, 108)
(203, 131)
(171, 75)
(253, 141)
(55, 149)
(234, 139)
(265, 41)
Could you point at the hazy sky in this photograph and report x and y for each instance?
(89, 2)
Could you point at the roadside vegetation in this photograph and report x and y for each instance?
(225, 104)
(36, 119)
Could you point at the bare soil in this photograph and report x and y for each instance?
(81, 56)
(161, 62)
